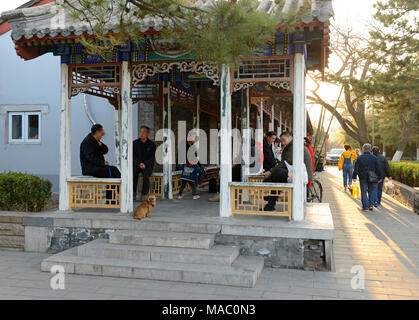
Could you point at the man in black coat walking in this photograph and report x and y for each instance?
(385, 169)
(365, 165)
(144, 151)
(92, 160)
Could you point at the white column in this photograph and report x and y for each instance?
(65, 139)
(225, 142)
(280, 123)
(117, 128)
(127, 204)
(298, 192)
(259, 126)
(245, 123)
(167, 143)
(198, 110)
(272, 123)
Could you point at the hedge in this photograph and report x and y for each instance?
(23, 192)
(405, 172)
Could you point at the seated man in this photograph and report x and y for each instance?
(279, 173)
(143, 156)
(92, 159)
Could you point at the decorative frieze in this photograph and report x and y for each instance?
(286, 85)
(143, 70)
(242, 85)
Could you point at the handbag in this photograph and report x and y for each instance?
(372, 175)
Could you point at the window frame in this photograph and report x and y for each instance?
(25, 127)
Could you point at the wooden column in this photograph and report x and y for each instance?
(245, 134)
(65, 139)
(298, 193)
(225, 142)
(167, 142)
(127, 204)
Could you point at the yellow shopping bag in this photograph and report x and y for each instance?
(355, 190)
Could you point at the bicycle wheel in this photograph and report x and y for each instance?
(316, 191)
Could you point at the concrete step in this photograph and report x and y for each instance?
(217, 255)
(243, 272)
(163, 239)
(177, 226)
(170, 224)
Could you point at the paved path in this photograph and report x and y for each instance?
(384, 242)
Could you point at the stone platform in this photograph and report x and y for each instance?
(182, 226)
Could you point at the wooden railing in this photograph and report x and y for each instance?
(90, 192)
(156, 181)
(251, 197)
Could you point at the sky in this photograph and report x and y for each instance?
(348, 13)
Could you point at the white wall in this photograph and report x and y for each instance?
(37, 82)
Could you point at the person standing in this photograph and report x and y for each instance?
(269, 160)
(144, 151)
(345, 165)
(386, 172)
(368, 169)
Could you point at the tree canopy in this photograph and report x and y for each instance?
(222, 32)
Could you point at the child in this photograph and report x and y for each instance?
(189, 174)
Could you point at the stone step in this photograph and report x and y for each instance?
(177, 226)
(217, 255)
(162, 239)
(168, 224)
(243, 272)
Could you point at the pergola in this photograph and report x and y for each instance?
(270, 85)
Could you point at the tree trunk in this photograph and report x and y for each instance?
(407, 130)
(417, 151)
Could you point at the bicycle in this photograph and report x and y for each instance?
(315, 192)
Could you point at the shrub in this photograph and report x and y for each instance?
(23, 192)
(405, 172)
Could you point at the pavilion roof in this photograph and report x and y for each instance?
(52, 21)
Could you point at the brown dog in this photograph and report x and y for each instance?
(144, 209)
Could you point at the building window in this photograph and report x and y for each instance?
(24, 127)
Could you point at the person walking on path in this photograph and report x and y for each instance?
(345, 165)
(386, 172)
(368, 169)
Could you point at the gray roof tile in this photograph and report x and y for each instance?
(50, 19)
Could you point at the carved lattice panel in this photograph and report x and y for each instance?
(146, 91)
(94, 195)
(251, 198)
(270, 69)
(156, 185)
(102, 80)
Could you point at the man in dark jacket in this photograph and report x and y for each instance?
(286, 155)
(366, 163)
(144, 151)
(269, 160)
(386, 172)
(92, 159)
(279, 173)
